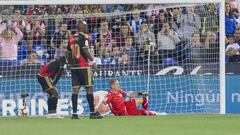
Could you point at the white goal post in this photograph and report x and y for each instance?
(146, 77)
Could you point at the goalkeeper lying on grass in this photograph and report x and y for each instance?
(120, 107)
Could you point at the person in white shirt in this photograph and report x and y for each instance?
(167, 40)
(232, 49)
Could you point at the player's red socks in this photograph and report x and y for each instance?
(145, 103)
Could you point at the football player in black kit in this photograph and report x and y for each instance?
(48, 77)
(81, 73)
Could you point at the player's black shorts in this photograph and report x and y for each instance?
(45, 82)
(82, 76)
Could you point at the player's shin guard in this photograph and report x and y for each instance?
(145, 103)
(90, 99)
(74, 102)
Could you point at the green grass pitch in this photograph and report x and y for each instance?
(135, 125)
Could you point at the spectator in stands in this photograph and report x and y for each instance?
(50, 29)
(93, 36)
(167, 41)
(35, 32)
(10, 35)
(230, 20)
(177, 20)
(54, 26)
(212, 47)
(158, 24)
(60, 41)
(96, 58)
(191, 24)
(153, 11)
(237, 35)
(104, 38)
(31, 10)
(235, 6)
(135, 21)
(145, 40)
(38, 30)
(28, 34)
(144, 36)
(31, 60)
(109, 8)
(210, 19)
(130, 50)
(17, 21)
(22, 44)
(232, 49)
(125, 59)
(50, 10)
(116, 55)
(72, 23)
(116, 22)
(94, 20)
(106, 58)
(124, 32)
(105, 35)
(196, 49)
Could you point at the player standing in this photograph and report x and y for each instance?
(81, 69)
(48, 77)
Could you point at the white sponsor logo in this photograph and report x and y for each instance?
(38, 107)
(200, 99)
(235, 97)
(37, 104)
(179, 70)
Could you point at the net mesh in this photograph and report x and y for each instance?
(169, 50)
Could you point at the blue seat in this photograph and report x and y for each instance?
(227, 59)
(9, 63)
(170, 61)
(22, 52)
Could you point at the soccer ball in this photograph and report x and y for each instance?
(23, 111)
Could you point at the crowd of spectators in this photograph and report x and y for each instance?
(119, 34)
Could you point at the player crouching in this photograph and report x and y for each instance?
(48, 77)
(119, 107)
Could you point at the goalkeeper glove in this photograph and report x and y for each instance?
(143, 93)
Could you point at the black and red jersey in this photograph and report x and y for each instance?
(52, 68)
(79, 42)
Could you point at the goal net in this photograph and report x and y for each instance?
(168, 50)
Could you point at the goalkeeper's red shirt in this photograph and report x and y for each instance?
(116, 102)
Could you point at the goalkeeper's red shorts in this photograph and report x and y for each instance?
(132, 109)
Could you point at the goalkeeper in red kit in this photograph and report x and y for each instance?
(121, 107)
(48, 77)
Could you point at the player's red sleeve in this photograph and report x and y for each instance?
(123, 93)
(108, 99)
